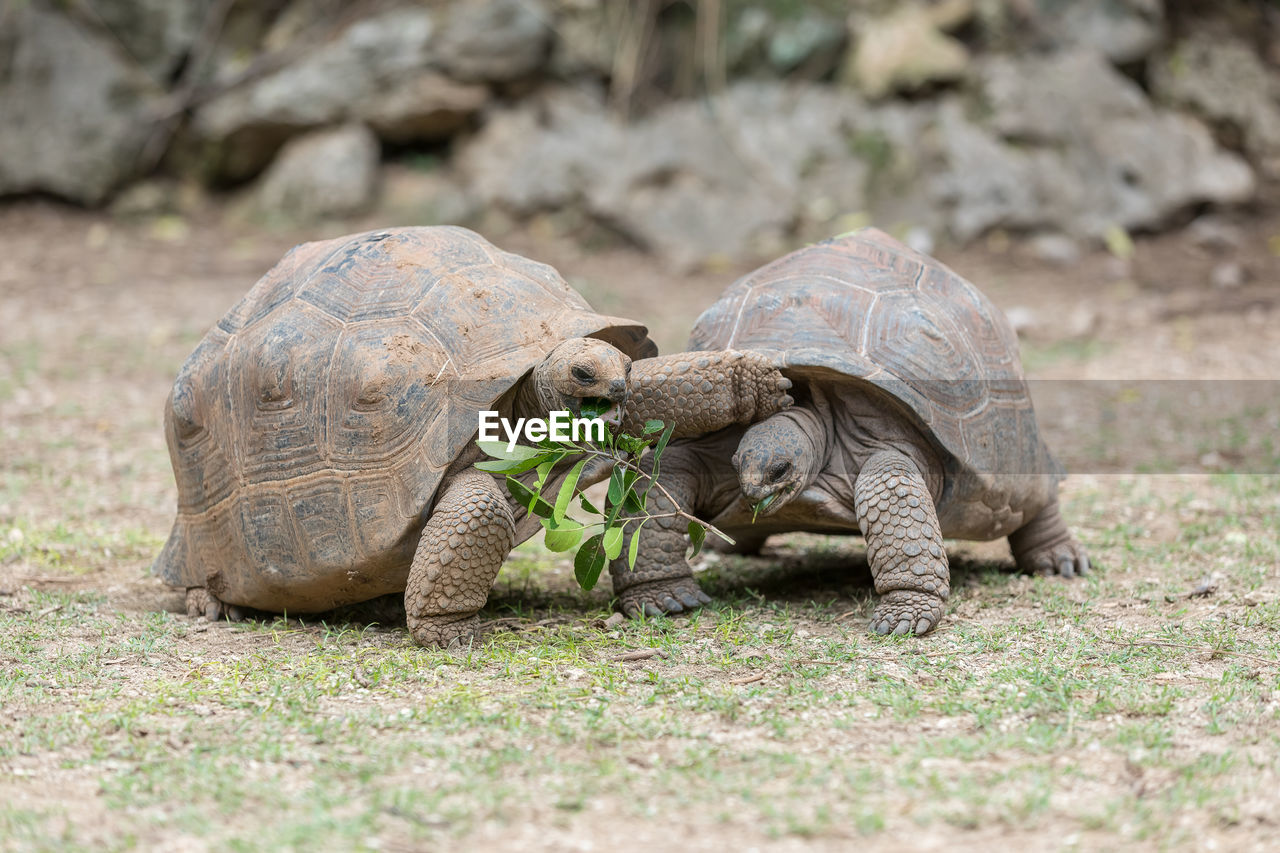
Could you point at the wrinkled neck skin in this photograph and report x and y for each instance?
(536, 397)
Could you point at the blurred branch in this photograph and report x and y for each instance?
(639, 21)
(201, 51)
(710, 26)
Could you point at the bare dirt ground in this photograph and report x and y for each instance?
(1137, 708)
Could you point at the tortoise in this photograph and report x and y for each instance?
(912, 422)
(322, 433)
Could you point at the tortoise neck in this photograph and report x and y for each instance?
(529, 401)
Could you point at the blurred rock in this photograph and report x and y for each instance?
(1123, 31)
(1080, 151)
(1055, 248)
(1022, 319)
(691, 183)
(378, 71)
(146, 199)
(412, 196)
(808, 46)
(920, 238)
(1215, 233)
(156, 33)
(1228, 274)
(74, 115)
(324, 174)
(424, 107)
(586, 38)
(494, 40)
(1224, 80)
(908, 49)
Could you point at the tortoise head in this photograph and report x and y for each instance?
(584, 373)
(778, 459)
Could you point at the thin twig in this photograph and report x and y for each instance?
(1209, 650)
(642, 654)
(750, 679)
(678, 511)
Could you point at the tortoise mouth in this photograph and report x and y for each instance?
(765, 503)
(607, 410)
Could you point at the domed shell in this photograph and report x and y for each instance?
(865, 306)
(311, 427)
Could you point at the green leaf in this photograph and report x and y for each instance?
(657, 457)
(594, 408)
(529, 499)
(588, 505)
(567, 489)
(632, 445)
(562, 538)
(634, 502)
(697, 535)
(622, 489)
(650, 427)
(509, 466)
(761, 505)
(589, 562)
(634, 550)
(612, 542)
(615, 485)
(544, 471)
(498, 450)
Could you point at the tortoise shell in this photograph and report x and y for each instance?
(864, 307)
(310, 429)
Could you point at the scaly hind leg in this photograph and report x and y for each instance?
(1044, 545)
(201, 602)
(468, 535)
(904, 544)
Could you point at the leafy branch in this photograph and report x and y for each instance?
(599, 539)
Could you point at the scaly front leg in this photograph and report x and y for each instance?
(702, 392)
(469, 534)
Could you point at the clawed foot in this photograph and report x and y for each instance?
(1067, 559)
(446, 632)
(655, 598)
(201, 602)
(906, 612)
(763, 383)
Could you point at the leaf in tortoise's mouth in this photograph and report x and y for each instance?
(603, 408)
(761, 505)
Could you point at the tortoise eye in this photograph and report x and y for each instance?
(583, 375)
(778, 470)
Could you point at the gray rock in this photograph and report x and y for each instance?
(908, 49)
(377, 71)
(1215, 233)
(692, 182)
(415, 197)
(324, 174)
(1061, 96)
(75, 115)
(807, 46)
(1057, 249)
(1122, 30)
(156, 33)
(494, 40)
(1077, 148)
(1224, 80)
(421, 107)
(1228, 274)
